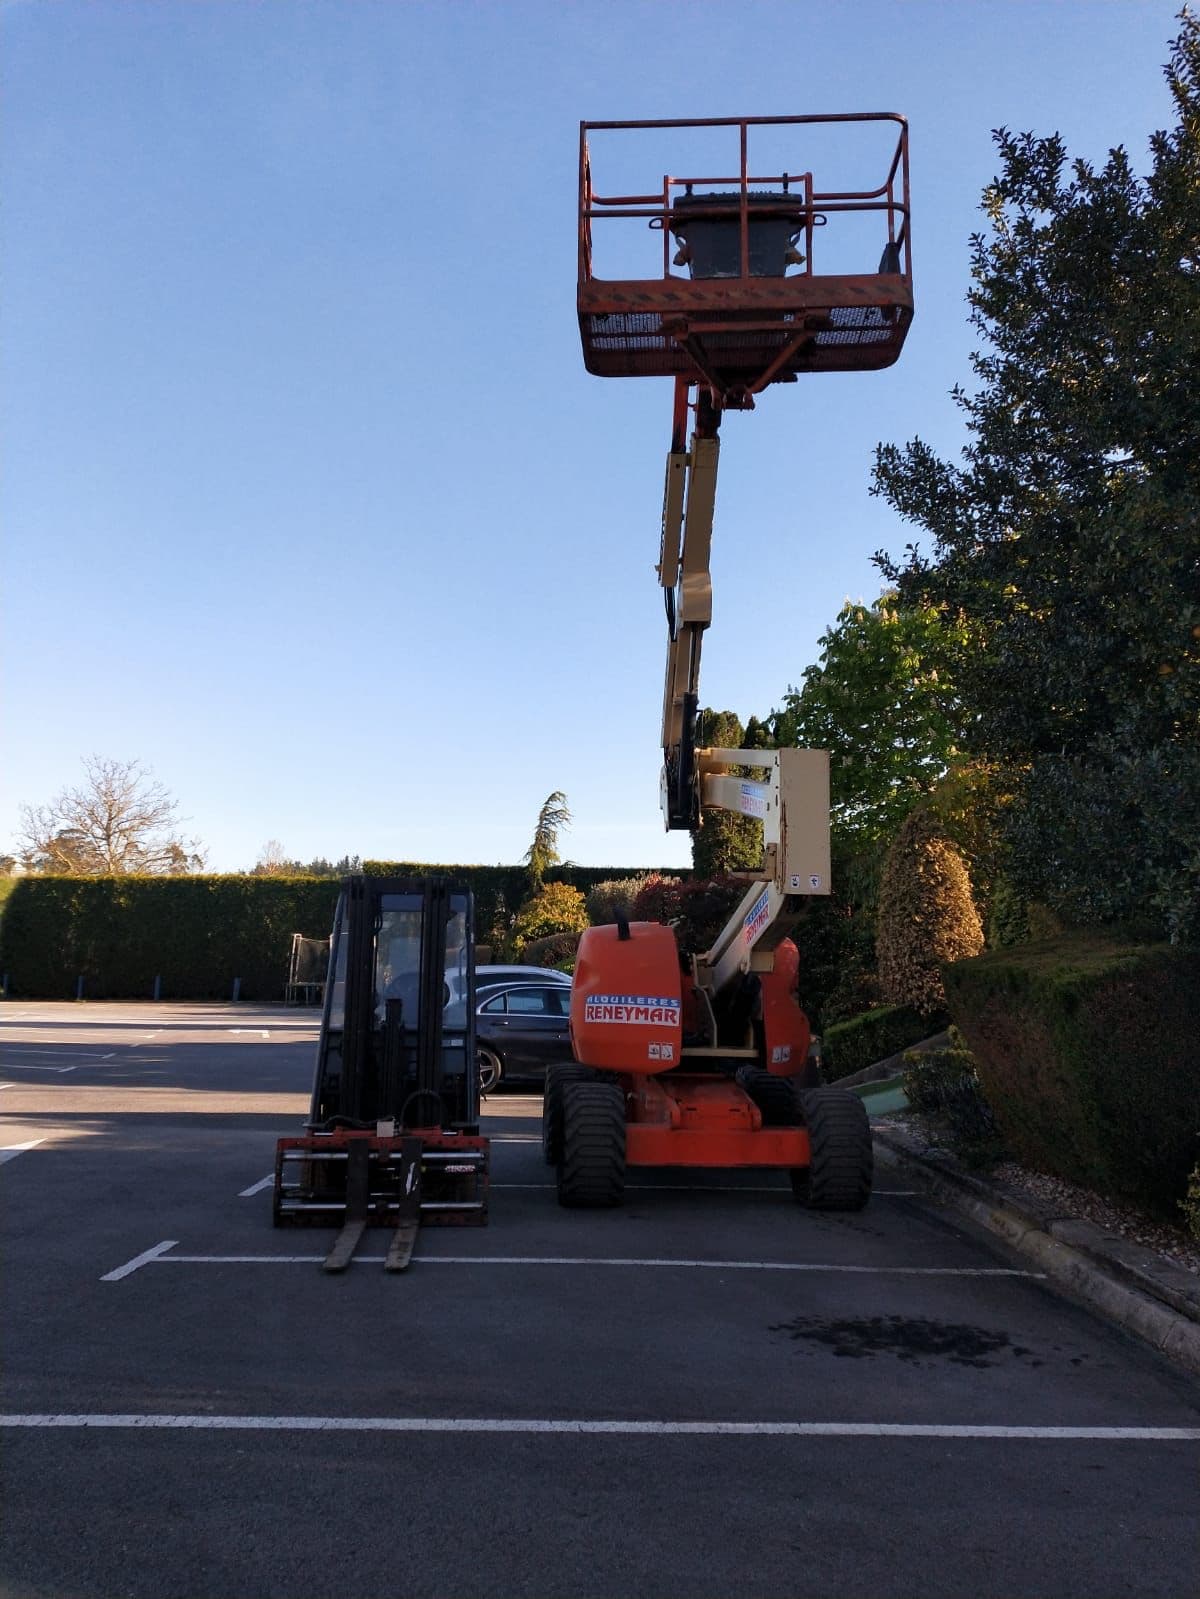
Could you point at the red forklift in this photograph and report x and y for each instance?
(392, 1138)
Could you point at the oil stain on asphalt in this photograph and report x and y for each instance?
(907, 1338)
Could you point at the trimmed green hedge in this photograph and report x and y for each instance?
(196, 933)
(1088, 1050)
(851, 1046)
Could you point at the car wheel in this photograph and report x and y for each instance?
(491, 1069)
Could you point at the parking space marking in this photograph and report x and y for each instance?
(703, 1429)
(257, 1188)
(143, 1259)
(13, 1150)
(26, 1066)
(158, 1257)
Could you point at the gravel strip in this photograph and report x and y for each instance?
(1172, 1243)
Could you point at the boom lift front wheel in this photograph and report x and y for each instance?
(591, 1165)
(552, 1105)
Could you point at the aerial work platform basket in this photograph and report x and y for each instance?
(749, 286)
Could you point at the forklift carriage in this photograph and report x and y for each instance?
(392, 1138)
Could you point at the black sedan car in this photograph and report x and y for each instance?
(520, 1029)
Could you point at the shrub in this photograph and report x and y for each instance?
(1190, 1203)
(926, 914)
(696, 907)
(852, 1046)
(604, 900)
(1086, 1050)
(555, 908)
(556, 949)
(1008, 916)
(944, 1084)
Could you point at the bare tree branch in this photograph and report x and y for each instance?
(120, 820)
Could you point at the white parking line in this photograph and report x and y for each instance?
(143, 1259)
(257, 1188)
(13, 1150)
(26, 1066)
(706, 1429)
(158, 1257)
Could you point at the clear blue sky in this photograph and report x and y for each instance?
(308, 502)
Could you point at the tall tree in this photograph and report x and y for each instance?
(1068, 535)
(881, 700)
(119, 820)
(543, 852)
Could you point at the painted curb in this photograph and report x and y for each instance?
(1174, 1333)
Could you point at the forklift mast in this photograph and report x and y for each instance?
(391, 1047)
(392, 1138)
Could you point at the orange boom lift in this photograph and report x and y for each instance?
(704, 1061)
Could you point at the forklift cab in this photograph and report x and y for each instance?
(389, 1049)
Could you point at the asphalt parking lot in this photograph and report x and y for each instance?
(707, 1392)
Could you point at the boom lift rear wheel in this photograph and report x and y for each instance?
(774, 1096)
(839, 1174)
(591, 1166)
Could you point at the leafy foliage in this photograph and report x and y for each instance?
(881, 701)
(852, 1046)
(555, 908)
(556, 949)
(926, 915)
(696, 907)
(196, 933)
(944, 1085)
(1190, 1203)
(1067, 537)
(543, 852)
(726, 842)
(1008, 917)
(1086, 1050)
(604, 900)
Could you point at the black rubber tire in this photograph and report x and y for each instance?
(774, 1096)
(491, 1069)
(567, 1072)
(591, 1168)
(839, 1175)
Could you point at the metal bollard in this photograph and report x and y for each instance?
(237, 989)
(79, 988)
(157, 988)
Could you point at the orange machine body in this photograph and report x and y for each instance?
(627, 999)
(786, 1033)
(631, 1007)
